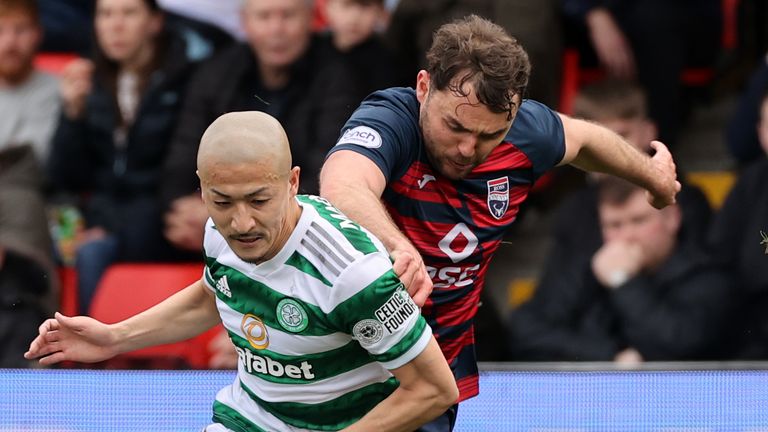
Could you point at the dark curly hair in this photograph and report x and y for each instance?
(475, 50)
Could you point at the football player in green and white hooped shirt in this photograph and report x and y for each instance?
(326, 335)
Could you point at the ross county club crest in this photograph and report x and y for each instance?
(498, 196)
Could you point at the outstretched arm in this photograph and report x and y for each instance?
(181, 316)
(354, 184)
(427, 389)
(592, 147)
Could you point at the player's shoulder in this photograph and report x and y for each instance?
(395, 109)
(538, 132)
(395, 99)
(349, 256)
(385, 128)
(533, 117)
(337, 232)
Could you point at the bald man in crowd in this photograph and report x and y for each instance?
(281, 267)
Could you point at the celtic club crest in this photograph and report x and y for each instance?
(291, 315)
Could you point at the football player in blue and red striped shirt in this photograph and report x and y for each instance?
(439, 172)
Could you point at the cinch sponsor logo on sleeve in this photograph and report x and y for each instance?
(396, 310)
(362, 136)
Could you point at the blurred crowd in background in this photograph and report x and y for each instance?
(97, 154)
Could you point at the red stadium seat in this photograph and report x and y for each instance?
(127, 289)
(53, 62)
(68, 291)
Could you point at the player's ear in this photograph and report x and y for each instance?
(294, 180)
(422, 85)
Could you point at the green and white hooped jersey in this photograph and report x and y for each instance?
(316, 328)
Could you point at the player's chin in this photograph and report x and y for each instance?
(250, 256)
(454, 173)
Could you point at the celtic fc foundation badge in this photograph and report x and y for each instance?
(291, 315)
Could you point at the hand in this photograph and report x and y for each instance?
(665, 176)
(185, 223)
(79, 338)
(616, 262)
(76, 84)
(223, 354)
(409, 267)
(610, 44)
(629, 357)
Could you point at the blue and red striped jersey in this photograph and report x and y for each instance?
(456, 225)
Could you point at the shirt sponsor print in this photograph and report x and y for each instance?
(362, 136)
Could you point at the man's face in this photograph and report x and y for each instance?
(250, 206)
(459, 132)
(636, 221)
(277, 30)
(125, 28)
(351, 22)
(19, 38)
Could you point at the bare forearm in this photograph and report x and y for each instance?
(592, 147)
(427, 389)
(607, 152)
(354, 184)
(364, 207)
(185, 314)
(402, 411)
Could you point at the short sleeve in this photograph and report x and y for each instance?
(381, 315)
(385, 129)
(538, 132)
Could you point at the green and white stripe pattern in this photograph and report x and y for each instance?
(316, 328)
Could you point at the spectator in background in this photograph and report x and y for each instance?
(119, 112)
(620, 106)
(29, 103)
(643, 295)
(735, 239)
(651, 40)
(353, 37)
(280, 71)
(741, 136)
(28, 98)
